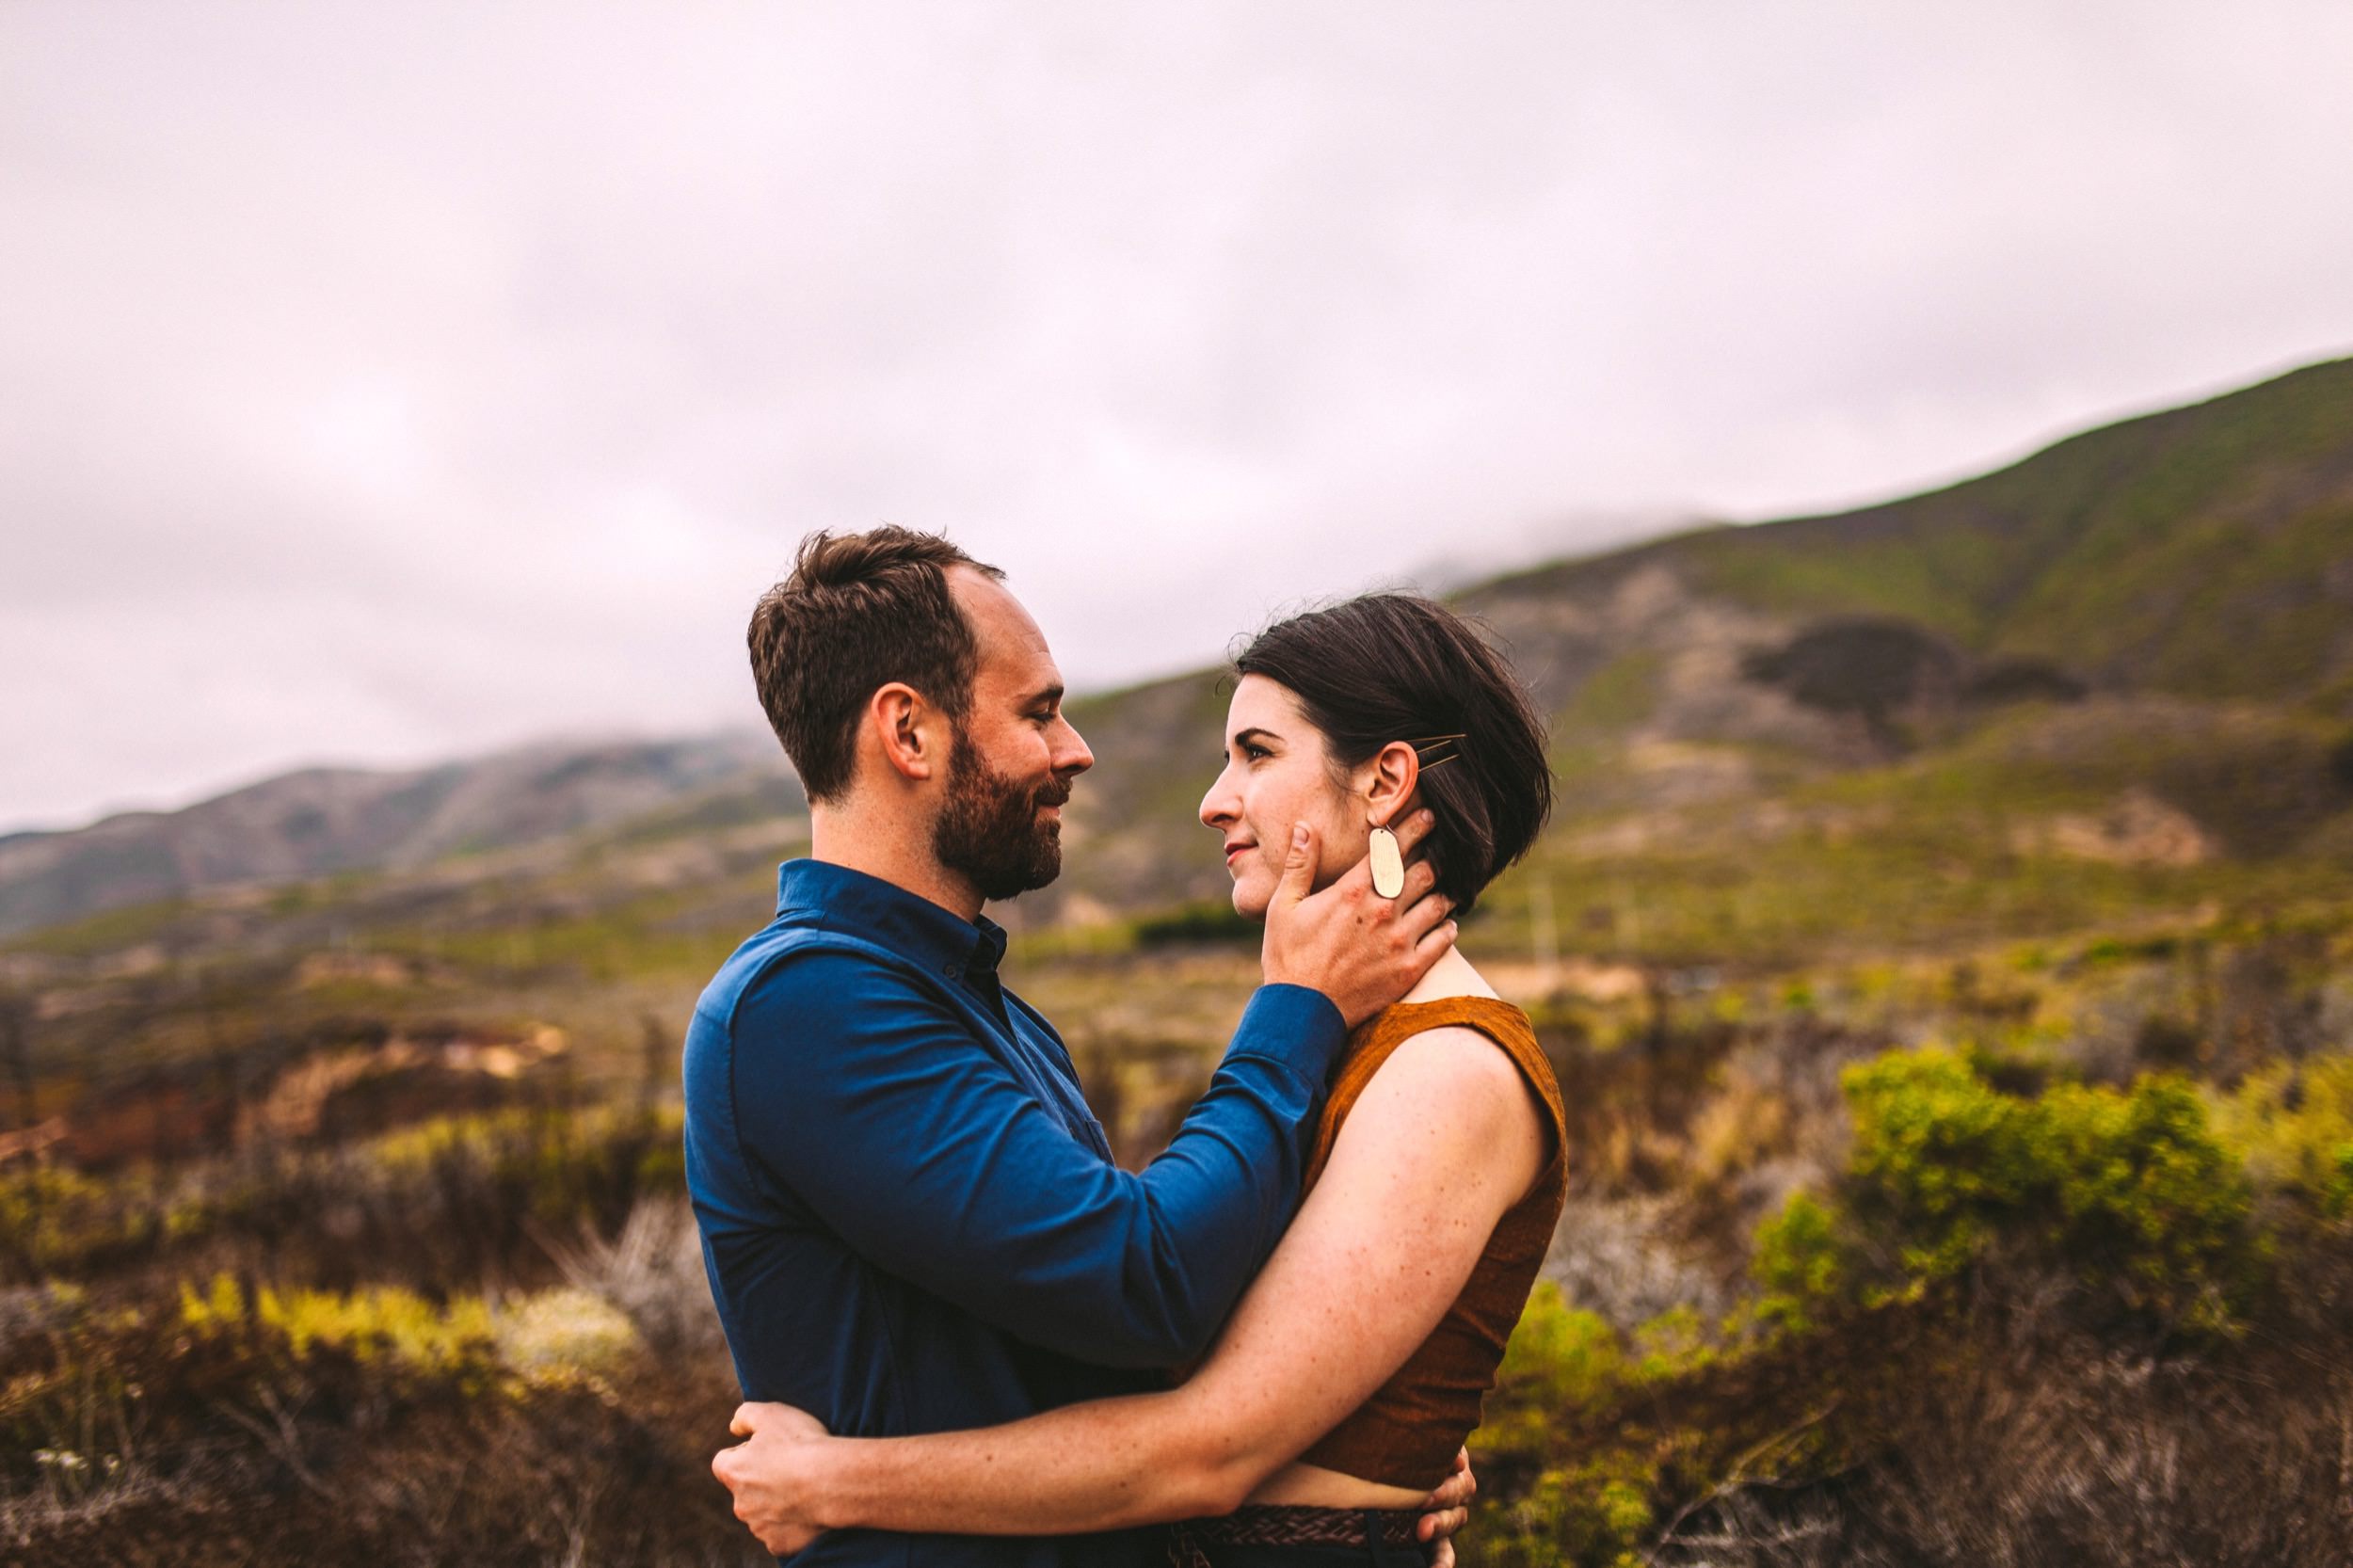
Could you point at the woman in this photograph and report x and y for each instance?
(1338, 1393)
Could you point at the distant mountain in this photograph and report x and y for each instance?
(322, 821)
(2113, 678)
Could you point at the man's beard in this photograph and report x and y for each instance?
(990, 831)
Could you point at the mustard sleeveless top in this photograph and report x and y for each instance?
(1406, 1434)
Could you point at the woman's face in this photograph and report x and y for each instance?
(1278, 773)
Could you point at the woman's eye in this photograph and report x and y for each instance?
(1254, 753)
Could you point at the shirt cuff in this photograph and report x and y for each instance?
(1293, 1025)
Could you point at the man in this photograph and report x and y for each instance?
(910, 1221)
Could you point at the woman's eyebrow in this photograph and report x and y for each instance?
(1244, 737)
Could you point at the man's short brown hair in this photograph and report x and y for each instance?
(858, 612)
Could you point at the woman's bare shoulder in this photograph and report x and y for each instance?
(1456, 1071)
(1453, 1048)
(1462, 1083)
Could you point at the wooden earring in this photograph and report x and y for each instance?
(1388, 863)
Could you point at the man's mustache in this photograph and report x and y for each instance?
(1056, 794)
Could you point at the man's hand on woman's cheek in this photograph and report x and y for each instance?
(772, 1473)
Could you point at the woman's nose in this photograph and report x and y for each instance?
(1218, 806)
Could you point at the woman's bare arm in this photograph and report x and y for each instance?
(1445, 1139)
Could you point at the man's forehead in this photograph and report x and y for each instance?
(1012, 646)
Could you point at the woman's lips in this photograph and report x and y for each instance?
(1233, 850)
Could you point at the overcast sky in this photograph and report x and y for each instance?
(386, 382)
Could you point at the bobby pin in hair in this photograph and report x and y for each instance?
(1428, 743)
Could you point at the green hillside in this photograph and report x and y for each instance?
(2115, 677)
(2203, 551)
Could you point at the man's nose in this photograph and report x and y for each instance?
(1072, 755)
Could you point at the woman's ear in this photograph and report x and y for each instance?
(1394, 770)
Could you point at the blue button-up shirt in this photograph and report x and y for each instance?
(911, 1222)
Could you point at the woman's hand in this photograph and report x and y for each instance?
(1447, 1510)
(773, 1473)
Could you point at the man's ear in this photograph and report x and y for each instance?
(1389, 787)
(910, 733)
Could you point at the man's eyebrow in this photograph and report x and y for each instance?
(1044, 693)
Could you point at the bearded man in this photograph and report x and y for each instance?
(910, 1221)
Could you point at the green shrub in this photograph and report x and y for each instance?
(397, 1326)
(1940, 1158)
(2292, 1124)
(1566, 1439)
(2148, 1199)
(2130, 1190)
(1802, 1257)
(1562, 1362)
(52, 1219)
(1595, 1513)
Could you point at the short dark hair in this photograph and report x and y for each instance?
(858, 612)
(1391, 667)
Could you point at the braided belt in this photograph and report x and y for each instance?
(1287, 1524)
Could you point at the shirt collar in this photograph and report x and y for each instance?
(852, 900)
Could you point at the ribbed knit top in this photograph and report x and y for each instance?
(1406, 1434)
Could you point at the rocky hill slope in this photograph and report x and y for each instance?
(2115, 675)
